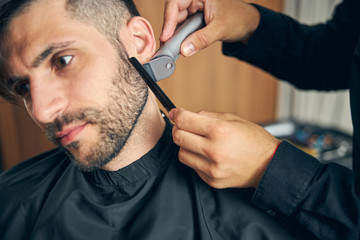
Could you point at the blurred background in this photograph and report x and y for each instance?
(210, 81)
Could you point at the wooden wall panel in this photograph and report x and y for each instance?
(206, 81)
(20, 137)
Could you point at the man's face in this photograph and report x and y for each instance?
(75, 84)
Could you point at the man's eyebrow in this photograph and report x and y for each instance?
(10, 81)
(48, 51)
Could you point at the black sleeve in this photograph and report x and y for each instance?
(310, 57)
(311, 200)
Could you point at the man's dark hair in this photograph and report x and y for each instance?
(106, 15)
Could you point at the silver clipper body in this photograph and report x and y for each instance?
(162, 65)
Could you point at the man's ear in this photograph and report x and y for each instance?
(140, 41)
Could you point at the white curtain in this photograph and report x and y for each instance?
(328, 109)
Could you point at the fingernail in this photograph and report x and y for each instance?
(189, 49)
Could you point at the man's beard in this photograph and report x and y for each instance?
(114, 122)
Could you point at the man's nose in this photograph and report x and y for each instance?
(48, 101)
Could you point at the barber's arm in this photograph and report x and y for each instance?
(310, 57)
(309, 199)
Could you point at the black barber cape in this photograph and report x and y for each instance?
(156, 197)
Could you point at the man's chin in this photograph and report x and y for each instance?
(85, 163)
(73, 146)
(85, 168)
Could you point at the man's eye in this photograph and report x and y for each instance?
(63, 61)
(21, 88)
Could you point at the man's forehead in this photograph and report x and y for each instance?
(45, 22)
(13, 8)
(31, 35)
(37, 10)
(33, 20)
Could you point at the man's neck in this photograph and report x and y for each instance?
(144, 137)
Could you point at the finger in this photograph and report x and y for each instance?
(167, 32)
(193, 160)
(205, 178)
(201, 166)
(192, 122)
(196, 6)
(182, 16)
(190, 141)
(170, 20)
(200, 40)
(175, 12)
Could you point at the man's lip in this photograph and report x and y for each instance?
(68, 135)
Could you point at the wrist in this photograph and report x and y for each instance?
(265, 164)
(252, 23)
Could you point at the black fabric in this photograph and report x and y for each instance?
(310, 199)
(155, 197)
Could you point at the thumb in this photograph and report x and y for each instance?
(199, 40)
